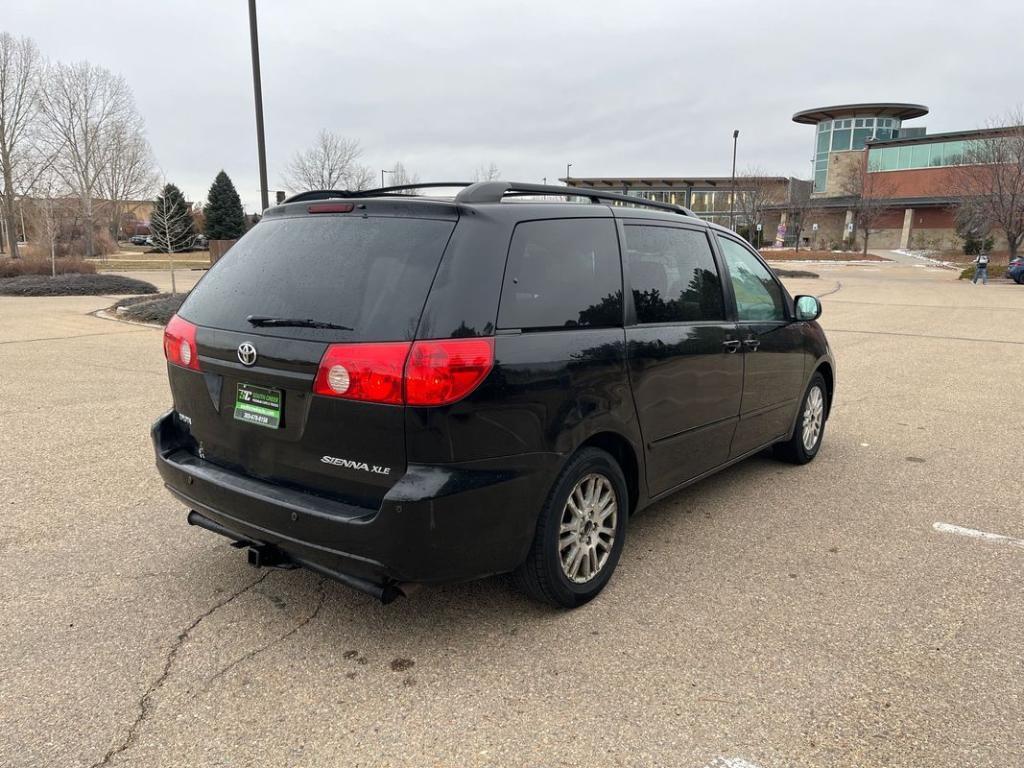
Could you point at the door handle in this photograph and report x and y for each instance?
(731, 346)
(752, 344)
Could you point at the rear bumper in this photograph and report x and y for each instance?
(438, 523)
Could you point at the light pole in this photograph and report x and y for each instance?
(732, 195)
(257, 88)
(567, 167)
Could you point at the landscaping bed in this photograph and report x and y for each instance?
(37, 266)
(994, 271)
(156, 310)
(73, 285)
(795, 273)
(789, 254)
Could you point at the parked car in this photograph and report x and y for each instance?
(138, 239)
(200, 243)
(1015, 270)
(391, 389)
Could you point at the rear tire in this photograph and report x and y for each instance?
(809, 430)
(580, 532)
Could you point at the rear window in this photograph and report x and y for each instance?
(369, 274)
(562, 273)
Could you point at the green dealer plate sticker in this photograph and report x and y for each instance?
(258, 405)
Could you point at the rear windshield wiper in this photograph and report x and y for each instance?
(261, 321)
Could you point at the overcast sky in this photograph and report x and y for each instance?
(616, 88)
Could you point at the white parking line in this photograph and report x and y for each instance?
(974, 534)
(730, 762)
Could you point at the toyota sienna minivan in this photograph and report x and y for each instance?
(390, 388)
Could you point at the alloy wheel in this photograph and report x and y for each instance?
(814, 417)
(587, 532)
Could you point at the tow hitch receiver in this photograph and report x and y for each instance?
(269, 556)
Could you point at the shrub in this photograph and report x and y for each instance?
(73, 285)
(973, 245)
(18, 267)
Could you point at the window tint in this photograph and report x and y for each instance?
(370, 274)
(562, 274)
(672, 275)
(758, 296)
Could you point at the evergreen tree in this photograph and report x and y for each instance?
(170, 224)
(225, 219)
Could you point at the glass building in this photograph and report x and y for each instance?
(849, 127)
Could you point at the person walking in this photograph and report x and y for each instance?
(981, 269)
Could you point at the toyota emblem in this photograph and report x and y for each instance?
(247, 353)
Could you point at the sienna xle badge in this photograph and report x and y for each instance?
(388, 388)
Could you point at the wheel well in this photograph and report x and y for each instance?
(825, 369)
(619, 447)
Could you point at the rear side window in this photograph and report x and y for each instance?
(673, 275)
(758, 296)
(562, 273)
(369, 274)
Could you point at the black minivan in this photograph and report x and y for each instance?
(389, 388)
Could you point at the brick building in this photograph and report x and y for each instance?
(860, 151)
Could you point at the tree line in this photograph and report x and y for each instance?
(74, 131)
(68, 130)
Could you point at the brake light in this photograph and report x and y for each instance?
(370, 372)
(331, 208)
(421, 373)
(446, 370)
(180, 343)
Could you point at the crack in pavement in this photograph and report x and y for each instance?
(145, 703)
(280, 639)
(68, 338)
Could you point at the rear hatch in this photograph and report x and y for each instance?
(361, 276)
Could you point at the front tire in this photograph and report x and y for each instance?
(803, 445)
(580, 532)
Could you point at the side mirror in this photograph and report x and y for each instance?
(807, 308)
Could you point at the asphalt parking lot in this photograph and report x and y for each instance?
(771, 616)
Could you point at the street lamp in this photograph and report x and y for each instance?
(257, 88)
(732, 195)
(567, 167)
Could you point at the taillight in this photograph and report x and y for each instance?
(180, 343)
(443, 371)
(420, 373)
(370, 372)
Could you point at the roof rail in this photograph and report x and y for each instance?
(494, 191)
(326, 194)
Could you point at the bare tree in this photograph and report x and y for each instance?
(331, 163)
(20, 65)
(991, 182)
(487, 173)
(869, 204)
(128, 173)
(400, 175)
(83, 104)
(171, 226)
(49, 210)
(758, 192)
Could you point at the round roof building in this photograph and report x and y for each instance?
(848, 128)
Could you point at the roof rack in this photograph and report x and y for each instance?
(494, 191)
(326, 194)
